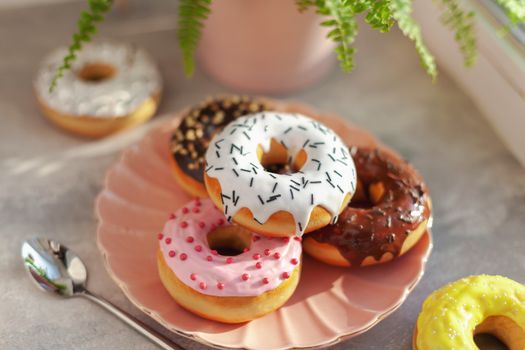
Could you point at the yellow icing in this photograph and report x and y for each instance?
(450, 315)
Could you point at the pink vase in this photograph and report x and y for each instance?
(264, 46)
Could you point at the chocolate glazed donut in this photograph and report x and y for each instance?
(388, 214)
(190, 140)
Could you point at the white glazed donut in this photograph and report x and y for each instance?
(109, 87)
(225, 288)
(279, 204)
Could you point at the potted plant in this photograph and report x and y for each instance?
(300, 51)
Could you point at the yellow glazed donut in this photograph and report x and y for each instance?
(110, 87)
(452, 315)
(223, 272)
(274, 204)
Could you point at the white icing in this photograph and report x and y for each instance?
(136, 79)
(325, 179)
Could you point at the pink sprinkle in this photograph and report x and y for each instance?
(258, 265)
(277, 255)
(214, 252)
(265, 280)
(202, 224)
(229, 260)
(195, 209)
(245, 277)
(185, 210)
(197, 202)
(256, 256)
(160, 236)
(198, 248)
(173, 216)
(171, 253)
(286, 239)
(209, 258)
(285, 275)
(256, 238)
(298, 238)
(294, 261)
(193, 276)
(183, 224)
(213, 227)
(245, 250)
(167, 240)
(202, 285)
(183, 256)
(220, 222)
(220, 285)
(266, 252)
(189, 239)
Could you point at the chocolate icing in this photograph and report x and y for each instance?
(190, 141)
(368, 229)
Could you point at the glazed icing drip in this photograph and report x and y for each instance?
(450, 315)
(190, 141)
(136, 79)
(325, 179)
(362, 232)
(184, 245)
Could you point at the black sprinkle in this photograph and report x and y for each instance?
(315, 182)
(332, 158)
(251, 182)
(226, 210)
(340, 161)
(217, 143)
(255, 171)
(338, 173)
(300, 226)
(333, 149)
(219, 168)
(271, 175)
(334, 220)
(247, 136)
(218, 154)
(312, 146)
(295, 182)
(291, 193)
(229, 218)
(288, 130)
(235, 172)
(295, 188)
(319, 143)
(284, 145)
(209, 168)
(328, 176)
(274, 187)
(260, 199)
(254, 165)
(235, 161)
(233, 130)
(305, 143)
(306, 183)
(260, 223)
(246, 170)
(272, 198)
(318, 163)
(312, 199)
(331, 184)
(302, 128)
(278, 116)
(340, 189)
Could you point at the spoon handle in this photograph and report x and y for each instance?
(137, 325)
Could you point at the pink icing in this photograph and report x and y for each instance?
(263, 267)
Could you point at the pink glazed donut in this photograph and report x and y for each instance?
(224, 272)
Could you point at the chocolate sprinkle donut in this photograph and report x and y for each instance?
(190, 140)
(366, 228)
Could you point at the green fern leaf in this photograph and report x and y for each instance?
(515, 10)
(192, 14)
(401, 11)
(380, 16)
(462, 23)
(86, 28)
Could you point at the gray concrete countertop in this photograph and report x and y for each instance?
(49, 180)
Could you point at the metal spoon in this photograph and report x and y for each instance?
(58, 270)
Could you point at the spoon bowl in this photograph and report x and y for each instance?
(56, 269)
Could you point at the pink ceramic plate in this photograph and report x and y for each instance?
(330, 304)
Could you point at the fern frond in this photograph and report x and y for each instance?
(401, 11)
(462, 23)
(303, 5)
(192, 14)
(380, 16)
(344, 29)
(86, 29)
(515, 10)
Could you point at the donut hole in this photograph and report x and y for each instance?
(229, 240)
(96, 72)
(504, 329)
(367, 195)
(278, 161)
